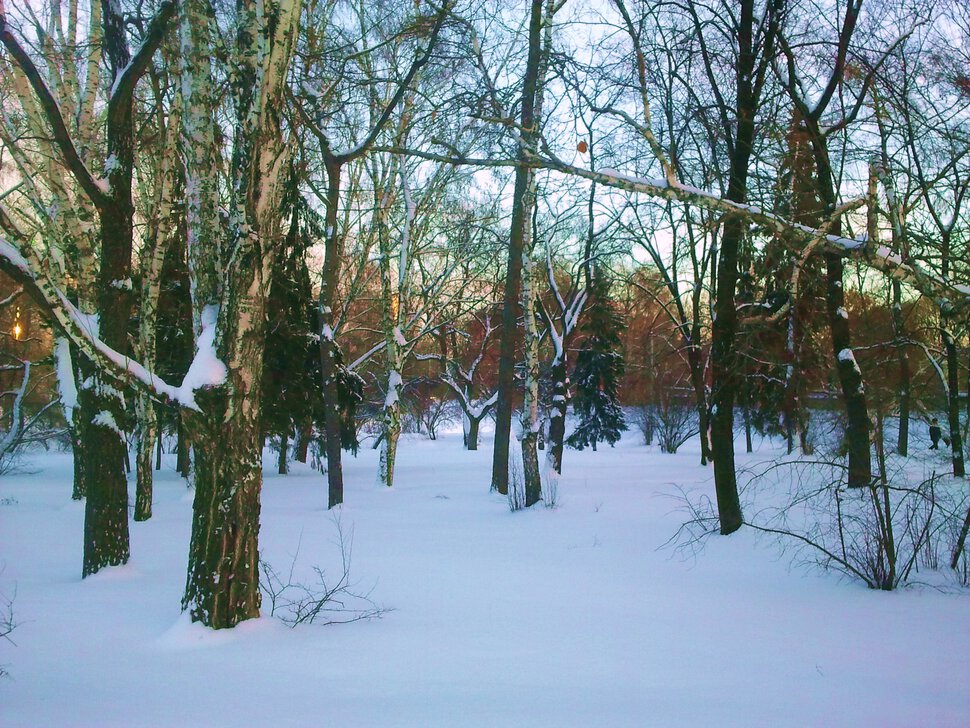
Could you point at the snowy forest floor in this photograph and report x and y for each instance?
(572, 616)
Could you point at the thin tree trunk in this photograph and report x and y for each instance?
(158, 450)
(530, 405)
(329, 356)
(147, 434)
(953, 399)
(77, 450)
(700, 395)
(182, 460)
(902, 357)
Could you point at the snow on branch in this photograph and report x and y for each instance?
(206, 369)
(951, 296)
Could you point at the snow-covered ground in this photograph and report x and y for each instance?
(570, 616)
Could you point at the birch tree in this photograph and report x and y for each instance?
(101, 403)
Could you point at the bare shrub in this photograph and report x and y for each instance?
(425, 410)
(882, 534)
(327, 600)
(18, 429)
(676, 420)
(7, 623)
(886, 535)
(645, 418)
(516, 494)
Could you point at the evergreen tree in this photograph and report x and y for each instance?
(291, 381)
(599, 367)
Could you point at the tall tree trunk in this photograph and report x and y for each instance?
(902, 358)
(850, 376)
(222, 584)
(530, 405)
(724, 362)
(518, 240)
(953, 398)
(724, 355)
(162, 228)
(329, 354)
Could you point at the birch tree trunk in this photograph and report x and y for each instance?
(390, 322)
(530, 406)
(167, 179)
(222, 586)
